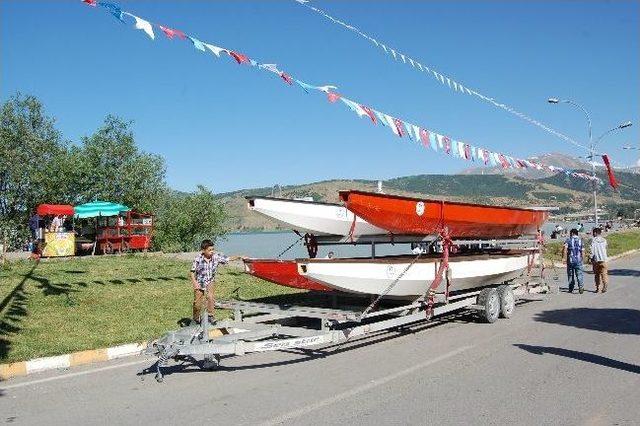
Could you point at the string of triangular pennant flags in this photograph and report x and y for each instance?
(441, 78)
(401, 128)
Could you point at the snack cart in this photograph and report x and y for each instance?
(129, 231)
(55, 242)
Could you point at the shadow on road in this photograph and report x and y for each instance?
(581, 356)
(625, 272)
(608, 320)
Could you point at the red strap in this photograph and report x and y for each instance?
(352, 228)
(444, 265)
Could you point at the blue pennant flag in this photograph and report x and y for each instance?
(433, 141)
(381, 118)
(113, 9)
(197, 43)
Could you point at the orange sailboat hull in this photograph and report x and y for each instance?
(282, 272)
(405, 215)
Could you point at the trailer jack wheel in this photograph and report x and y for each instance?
(489, 300)
(211, 362)
(507, 301)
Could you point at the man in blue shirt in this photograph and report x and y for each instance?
(573, 253)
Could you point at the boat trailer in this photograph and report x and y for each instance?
(260, 327)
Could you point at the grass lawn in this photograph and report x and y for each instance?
(617, 243)
(61, 306)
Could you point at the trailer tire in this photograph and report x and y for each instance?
(489, 300)
(507, 301)
(211, 362)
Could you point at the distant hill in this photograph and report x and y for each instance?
(569, 194)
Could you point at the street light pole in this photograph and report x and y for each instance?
(592, 147)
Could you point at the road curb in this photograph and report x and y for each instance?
(74, 359)
(37, 365)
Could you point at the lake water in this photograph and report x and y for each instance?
(271, 244)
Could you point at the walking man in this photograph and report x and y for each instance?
(599, 260)
(572, 253)
(203, 274)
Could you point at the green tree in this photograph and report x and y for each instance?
(184, 220)
(33, 157)
(109, 166)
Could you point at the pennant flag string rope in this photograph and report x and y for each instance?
(443, 79)
(401, 128)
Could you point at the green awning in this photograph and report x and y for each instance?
(99, 208)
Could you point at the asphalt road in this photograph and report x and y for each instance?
(562, 359)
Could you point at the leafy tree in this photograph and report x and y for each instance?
(109, 166)
(184, 220)
(32, 161)
(30, 151)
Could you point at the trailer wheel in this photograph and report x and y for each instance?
(489, 300)
(507, 301)
(211, 362)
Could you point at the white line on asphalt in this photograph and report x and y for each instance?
(359, 389)
(79, 373)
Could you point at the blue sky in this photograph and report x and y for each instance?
(230, 127)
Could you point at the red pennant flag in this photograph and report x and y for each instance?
(612, 179)
(333, 96)
(503, 161)
(93, 3)
(239, 57)
(399, 126)
(286, 77)
(369, 113)
(447, 144)
(171, 33)
(424, 136)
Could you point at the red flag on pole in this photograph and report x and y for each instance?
(612, 179)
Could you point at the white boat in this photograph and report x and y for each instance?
(312, 217)
(373, 276)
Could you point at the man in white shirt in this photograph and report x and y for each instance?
(599, 260)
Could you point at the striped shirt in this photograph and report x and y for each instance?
(205, 269)
(599, 249)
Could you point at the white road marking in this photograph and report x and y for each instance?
(360, 389)
(70, 375)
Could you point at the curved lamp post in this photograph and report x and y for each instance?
(592, 145)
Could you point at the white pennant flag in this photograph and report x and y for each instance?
(271, 67)
(214, 49)
(393, 52)
(411, 62)
(143, 25)
(416, 130)
(403, 59)
(419, 66)
(392, 124)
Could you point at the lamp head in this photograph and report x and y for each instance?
(553, 100)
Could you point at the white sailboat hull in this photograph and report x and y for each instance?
(315, 218)
(373, 276)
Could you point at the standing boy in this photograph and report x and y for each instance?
(599, 260)
(572, 253)
(203, 274)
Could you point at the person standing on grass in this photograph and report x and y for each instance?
(599, 260)
(203, 274)
(573, 253)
